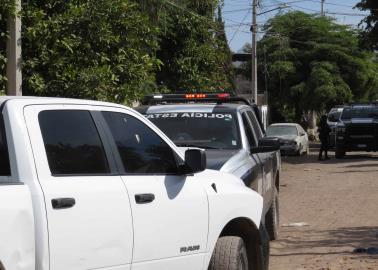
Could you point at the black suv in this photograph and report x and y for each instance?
(358, 129)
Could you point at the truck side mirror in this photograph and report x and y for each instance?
(195, 160)
(266, 145)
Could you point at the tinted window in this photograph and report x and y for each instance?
(248, 131)
(4, 156)
(142, 151)
(334, 116)
(255, 124)
(199, 129)
(360, 112)
(72, 142)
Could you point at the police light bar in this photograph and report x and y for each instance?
(215, 95)
(190, 96)
(193, 97)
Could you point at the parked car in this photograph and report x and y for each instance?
(358, 129)
(93, 185)
(230, 131)
(293, 138)
(333, 117)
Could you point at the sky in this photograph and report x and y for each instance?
(237, 15)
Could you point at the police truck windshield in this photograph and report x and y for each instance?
(360, 112)
(195, 129)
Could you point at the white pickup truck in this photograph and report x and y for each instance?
(93, 185)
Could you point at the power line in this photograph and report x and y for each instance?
(245, 17)
(287, 3)
(333, 4)
(327, 12)
(237, 10)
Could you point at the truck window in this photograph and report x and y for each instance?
(248, 131)
(198, 129)
(4, 155)
(72, 143)
(255, 124)
(142, 151)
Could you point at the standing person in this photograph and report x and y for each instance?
(324, 131)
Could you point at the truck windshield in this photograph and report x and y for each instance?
(197, 129)
(360, 112)
(281, 131)
(334, 116)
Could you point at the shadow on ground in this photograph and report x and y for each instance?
(350, 157)
(300, 241)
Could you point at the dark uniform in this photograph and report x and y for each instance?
(324, 131)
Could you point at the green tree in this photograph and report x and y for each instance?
(6, 8)
(193, 49)
(119, 50)
(88, 49)
(313, 63)
(370, 36)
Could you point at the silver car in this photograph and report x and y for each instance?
(293, 138)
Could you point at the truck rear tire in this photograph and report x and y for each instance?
(272, 218)
(229, 254)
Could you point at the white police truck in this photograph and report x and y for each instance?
(93, 185)
(230, 130)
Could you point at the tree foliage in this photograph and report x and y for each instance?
(370, 36)
(118, 50)
(313, 63)
(88, 49)
(7, 7)
(193, 48)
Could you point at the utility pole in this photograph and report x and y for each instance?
(254, 50)
(14, 75)
(322, 7)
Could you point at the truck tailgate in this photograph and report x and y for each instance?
(17, 244)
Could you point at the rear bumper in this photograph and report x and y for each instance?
(348, 144)
(358, 137)
(357, 147)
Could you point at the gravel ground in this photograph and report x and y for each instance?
(335, 203)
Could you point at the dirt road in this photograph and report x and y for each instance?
(337, 203)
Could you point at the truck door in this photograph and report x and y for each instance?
(17, 221)
(170, 211)
(266, 160)
(254, 176)
(87, 205)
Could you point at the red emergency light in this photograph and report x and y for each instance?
(223, 95)
(191, 96)
(209, 95)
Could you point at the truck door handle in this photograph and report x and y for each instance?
(62, 203)
(144, 198)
